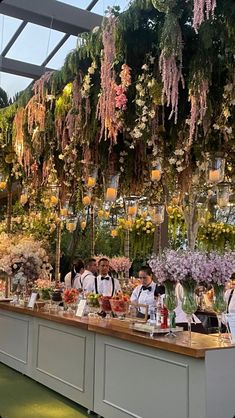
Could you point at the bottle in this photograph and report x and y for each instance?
(152, 315)
(164, 317)
(158, 311)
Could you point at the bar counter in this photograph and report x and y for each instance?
(106, 366)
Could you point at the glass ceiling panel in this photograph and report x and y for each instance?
(103, 5)
(58, 60)
(82, 4)
(12, 84)
(32, 44)
(8, 26)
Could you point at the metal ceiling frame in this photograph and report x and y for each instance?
(49, 13)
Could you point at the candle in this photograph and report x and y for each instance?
(54, 200)
(214, 176)
(114, 233)
(86, 200)
(111, 194)
(156, 175)
(23, 199)
(83, 225)
(70, 226)
(132, 210)
(91, 182)
(64, 211)
(3, 185)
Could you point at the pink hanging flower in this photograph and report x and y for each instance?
(125, 76)
(121, 99)
(200, 9)
(198, 99)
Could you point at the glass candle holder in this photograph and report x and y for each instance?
(215, 170)
(131, 206)
(91, 177)
(156, 172)
(112, 187)
(157, 213)
(223, 191)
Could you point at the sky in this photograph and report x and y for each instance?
(36, 42)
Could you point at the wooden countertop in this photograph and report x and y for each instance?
(120, 329)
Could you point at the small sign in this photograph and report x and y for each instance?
(32, 300)
(230, 321)
(81, 308)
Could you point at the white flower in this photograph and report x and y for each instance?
(179, 169)
(172, 160)
(228, 130)
(91, 70)
(61, 157)
(144, 119)
(140, 102)
(216, 126)
(142, 126)
(179, 152)
(152, 114)
(138, 87)
(145, 67)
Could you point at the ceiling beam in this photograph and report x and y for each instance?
(66, 37)
(52, 14)
(10, 66)
(13, 38)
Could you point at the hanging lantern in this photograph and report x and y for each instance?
(157, 213)
(86, 200)
(223, 192)
(114, 233)
(156, 171)
(91, 177)
(3, 182)
(215, 170)
(111, 187)
(65, 210)
(71, 224)
(132, 206)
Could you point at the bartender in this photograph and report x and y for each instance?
(104, 284)
(145, 292)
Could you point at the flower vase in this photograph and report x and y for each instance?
(170, 302)
(219, 305)
(189, 303)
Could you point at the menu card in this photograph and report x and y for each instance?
(32, 300)
(81, 307)
(230, 321)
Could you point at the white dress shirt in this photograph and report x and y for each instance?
(231, 307)
(77, 281)
(104, 287)
(67, 280)
(87, 279)
(145, 297)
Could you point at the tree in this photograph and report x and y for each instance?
(3, 98)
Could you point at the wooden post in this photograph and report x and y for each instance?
(92, 231)
(9, 206)
(161, 236)
(127, 249)
(58, 247)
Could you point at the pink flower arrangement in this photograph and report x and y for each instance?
(120, 99)
(119, 264)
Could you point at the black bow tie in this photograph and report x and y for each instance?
(147, 288)
(105, 278)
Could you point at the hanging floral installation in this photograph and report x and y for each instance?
(155, 82)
